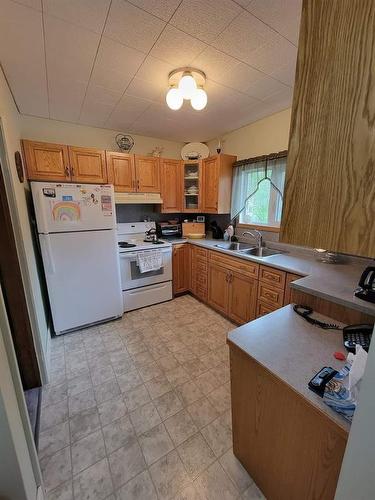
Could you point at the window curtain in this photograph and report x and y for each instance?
(246, 177)
(276, 171)
(245, 181)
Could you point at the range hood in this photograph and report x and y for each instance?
(138, 198)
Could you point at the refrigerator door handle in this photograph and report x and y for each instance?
(42, 212)
(47, 252)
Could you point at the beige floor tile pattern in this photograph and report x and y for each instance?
(139, 409)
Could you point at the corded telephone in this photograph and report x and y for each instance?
(352, 334)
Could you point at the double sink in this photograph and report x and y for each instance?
(247, 249)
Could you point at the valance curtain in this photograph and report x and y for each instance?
(246, 178)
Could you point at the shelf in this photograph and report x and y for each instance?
(191, 177)
(191, 194)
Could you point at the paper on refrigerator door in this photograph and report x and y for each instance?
(66, 211)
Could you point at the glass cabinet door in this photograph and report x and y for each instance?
(192, 186)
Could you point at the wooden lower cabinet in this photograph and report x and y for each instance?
(264, 308)
(287, 295)
(290, 449)
(181, 268)
(242, 297)
(218, 288)
(199, 272)
(232, 293)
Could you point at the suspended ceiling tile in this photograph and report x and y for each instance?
(286, 74)
(66, 97)
(282, 15)
(34, 4)
(127, 111)
(95, 113)
(146, 90)
(243, 36)
(155, 71)
(265, 87)
(70, 50)
(240, 78)
(281, 99)
(177, 48)
(22, 57)
(89, 14)
(97, 93)
(205, 20)
(271, 56)
(132, 26)
(159, 8)
(115, 65)
(215, 63)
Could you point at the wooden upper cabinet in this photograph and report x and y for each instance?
(46, 162)
(171, 185)
(217, 173)
(210, 181)
(87, 165)
(121, 171)
(147, 174)
(330, 176)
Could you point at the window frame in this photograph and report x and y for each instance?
(266, 227)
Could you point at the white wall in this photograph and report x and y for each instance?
(357, 479)
(46, 130)
(17, 197)
(268, 135)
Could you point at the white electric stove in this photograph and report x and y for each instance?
(142, 289)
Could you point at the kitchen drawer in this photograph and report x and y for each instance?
(265, 308)
(201, 266)
(272, 276)
(201, 291)
(271, 295)
(200, 252)
(247, 268)
(201, 279)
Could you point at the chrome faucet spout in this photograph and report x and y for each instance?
(257, 235)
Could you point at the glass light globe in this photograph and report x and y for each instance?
(174, 99)
(199, 100)
(187, 86)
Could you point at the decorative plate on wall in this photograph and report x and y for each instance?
(194, 151)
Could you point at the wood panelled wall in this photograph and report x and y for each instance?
(330, 183)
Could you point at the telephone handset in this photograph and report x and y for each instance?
(352, 334)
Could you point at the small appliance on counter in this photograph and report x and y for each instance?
(366, 285)
(217, 232)
(168, 230)
(193, 228)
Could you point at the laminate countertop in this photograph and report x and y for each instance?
(293, 350)
(333, 282)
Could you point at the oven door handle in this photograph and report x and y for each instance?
(128, 255)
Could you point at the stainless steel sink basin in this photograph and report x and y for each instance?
(260, 252)
(235, 246)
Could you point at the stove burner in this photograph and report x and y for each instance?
(125, 244)
(157, 242)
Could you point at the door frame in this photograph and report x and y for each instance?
(42, 356)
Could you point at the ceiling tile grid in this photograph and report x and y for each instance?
(106, 63)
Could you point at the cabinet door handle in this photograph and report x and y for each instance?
(67, 171)
(72, 171)
(138, 184)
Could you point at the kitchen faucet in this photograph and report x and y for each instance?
(257, 235)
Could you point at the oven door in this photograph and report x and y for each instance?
(131, 277)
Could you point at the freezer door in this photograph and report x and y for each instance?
(73, 207)
(83, 277)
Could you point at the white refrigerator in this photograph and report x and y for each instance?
(77, 233)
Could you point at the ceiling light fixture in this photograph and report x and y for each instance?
(186, 84)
